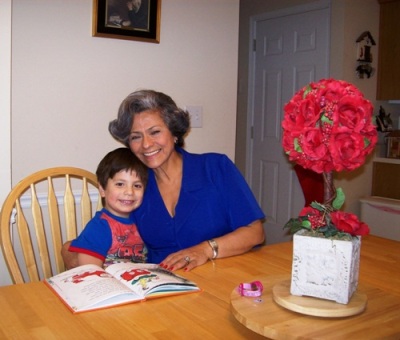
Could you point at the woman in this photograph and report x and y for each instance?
(190, 199)
(195, 207)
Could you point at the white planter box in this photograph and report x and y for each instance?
(325, 268)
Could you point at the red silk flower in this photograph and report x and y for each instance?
(349, 223)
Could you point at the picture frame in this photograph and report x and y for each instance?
(129, 20)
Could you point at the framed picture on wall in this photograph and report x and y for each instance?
(129, 20)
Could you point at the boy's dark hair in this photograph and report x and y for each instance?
(117, 160)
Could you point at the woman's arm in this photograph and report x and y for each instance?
(237, 242)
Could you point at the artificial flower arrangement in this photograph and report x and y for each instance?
(328, 126)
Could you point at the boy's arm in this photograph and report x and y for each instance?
(73, 259)
(94, 238)
(89, 259)
(70, 258)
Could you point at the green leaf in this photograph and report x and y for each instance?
(306, 224)
(329, 230)
(307, 91)
(297, 145)
(295, 224)
(325, 119)
(318, 206)
(339, 199)
(367, 142)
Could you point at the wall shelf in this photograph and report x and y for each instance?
(385, 178)
(386, 160)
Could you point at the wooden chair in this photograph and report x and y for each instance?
(33, 225)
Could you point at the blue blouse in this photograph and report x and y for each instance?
(214, 200)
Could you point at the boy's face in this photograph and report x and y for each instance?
(123, 194)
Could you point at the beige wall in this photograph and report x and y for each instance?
(349, 19)
(67, 85)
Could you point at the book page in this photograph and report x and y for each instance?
(90, 287)
(150, 279)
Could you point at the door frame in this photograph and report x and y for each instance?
(320, 4)
(5, 115)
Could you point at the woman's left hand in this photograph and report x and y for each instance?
(236, 242)
(188, 258)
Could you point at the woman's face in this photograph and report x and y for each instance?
(150, 139)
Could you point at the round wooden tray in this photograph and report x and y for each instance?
(314, 306)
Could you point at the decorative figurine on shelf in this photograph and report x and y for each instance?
(383, 121)
(365, 42)
(364, 69)
(364, 45)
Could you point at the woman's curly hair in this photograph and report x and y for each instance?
(176, 119)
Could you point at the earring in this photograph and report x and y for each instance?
(175, 140)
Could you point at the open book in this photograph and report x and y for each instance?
(91, 287)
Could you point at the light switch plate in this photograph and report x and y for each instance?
(196, 115)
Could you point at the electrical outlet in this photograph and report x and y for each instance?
(196, 115)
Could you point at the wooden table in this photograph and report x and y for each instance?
(32, 311)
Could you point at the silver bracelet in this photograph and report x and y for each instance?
(214, 246)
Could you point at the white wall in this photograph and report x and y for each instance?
(67, 85)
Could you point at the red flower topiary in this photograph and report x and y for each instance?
(328, 126)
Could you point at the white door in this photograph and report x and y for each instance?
(291, 49)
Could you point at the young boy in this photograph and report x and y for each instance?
(112, 234)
